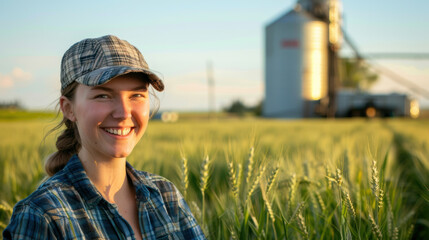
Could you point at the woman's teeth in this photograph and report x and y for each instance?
(119, 132)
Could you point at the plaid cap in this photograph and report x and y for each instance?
(95, 61)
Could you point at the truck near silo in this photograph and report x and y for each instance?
(363, 104)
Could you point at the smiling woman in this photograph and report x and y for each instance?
(93, 193)
(104, 114)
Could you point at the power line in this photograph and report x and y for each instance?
(398, 55)
(404, 82)
(392, 75)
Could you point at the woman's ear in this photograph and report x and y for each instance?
(66, 107)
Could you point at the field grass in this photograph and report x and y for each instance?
(266, 179)
(17, 114)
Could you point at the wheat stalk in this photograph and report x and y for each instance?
(255, 182)
(185, 171)
(204, 179)
(395, 235)
(234, 234)
(232, 178)
(375, 229)
(267, 203)
(204, 174)
(320, 200)
(250, 165)
(374, 180)
(239, 178)
(390, 218)
(272, 178)
(301, 223)
(338, 177)
(380, 198)
(328, 177)
(292, 188)
(349, 203)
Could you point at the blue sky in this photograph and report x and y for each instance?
(179, 38)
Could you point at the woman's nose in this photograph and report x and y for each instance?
(122, 109)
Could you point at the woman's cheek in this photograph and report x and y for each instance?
(145, 109)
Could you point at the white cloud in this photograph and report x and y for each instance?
(21, 75)
(17, 76)
(5, 82)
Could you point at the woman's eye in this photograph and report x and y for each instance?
(139, 95)
(102, 96)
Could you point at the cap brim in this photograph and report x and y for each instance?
(105, 74)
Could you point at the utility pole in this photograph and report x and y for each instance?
(211, 88)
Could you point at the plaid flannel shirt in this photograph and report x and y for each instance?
(68, 206)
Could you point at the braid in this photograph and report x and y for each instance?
(68, 143)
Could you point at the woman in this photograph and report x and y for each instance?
(93, 192)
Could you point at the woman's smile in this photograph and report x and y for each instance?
(118, 131)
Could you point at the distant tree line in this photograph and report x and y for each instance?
(239, 108)
(11, 105)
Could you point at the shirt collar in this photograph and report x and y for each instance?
(78, 178)
(142, 182)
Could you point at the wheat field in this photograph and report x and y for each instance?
(265, 179)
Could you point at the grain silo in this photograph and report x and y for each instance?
(296, 68)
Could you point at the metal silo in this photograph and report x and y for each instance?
(295, 65)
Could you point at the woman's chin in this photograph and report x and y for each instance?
(120, 154)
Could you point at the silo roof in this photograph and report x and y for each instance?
(293, 15)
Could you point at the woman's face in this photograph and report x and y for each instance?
(111, 118)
